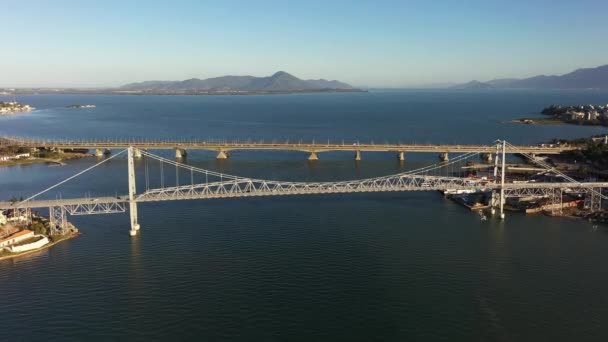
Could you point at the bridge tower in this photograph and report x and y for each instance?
(502, 179)
(132, 203)
(498, 198)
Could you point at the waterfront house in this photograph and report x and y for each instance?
(591, 115)
(576, 115)
(16, 238)
(16, 156)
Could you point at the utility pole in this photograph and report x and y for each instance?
(132, 203)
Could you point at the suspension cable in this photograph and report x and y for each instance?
(550, 168)
(72, 177)
(222, 177)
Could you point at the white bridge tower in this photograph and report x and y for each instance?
(132, 203)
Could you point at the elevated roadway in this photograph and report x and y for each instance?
(223, 148)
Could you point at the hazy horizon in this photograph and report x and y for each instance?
(366, 44)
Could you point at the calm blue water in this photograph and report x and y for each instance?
(404, 266)
(436, 116)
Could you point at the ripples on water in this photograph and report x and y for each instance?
(363, 267)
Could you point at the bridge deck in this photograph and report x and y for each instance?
(306, 147)
(182, 196)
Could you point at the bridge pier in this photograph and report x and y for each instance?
(313, 156)
(401, 156)
(358, 155)
(486, 157)
(222, 155)
(180, 153)
(100, 152)
(137, 153)
(444, 157)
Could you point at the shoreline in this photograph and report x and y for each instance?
(50, 161)
(188, 93)
(554, 121)
(49, 245)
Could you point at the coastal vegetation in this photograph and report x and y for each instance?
(592, 152)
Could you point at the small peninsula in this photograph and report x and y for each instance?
(11, 154)
(21, 233)
(589, 115)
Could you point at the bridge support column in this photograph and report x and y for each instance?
(313, 156)
(132, 202)
(137, 153)
(222, 155)
(487, 157)
(180, 153)
(358, 155)
(99, 152)
(502, 181)
(494, 202)
(444, 157)
(401, 156)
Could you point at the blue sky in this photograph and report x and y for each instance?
(365, 43)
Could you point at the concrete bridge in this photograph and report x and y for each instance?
(223, 149)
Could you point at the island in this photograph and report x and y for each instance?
(280, 82)
(7, 108)
(80, 106)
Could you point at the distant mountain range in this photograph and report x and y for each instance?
(578, 79)
(279, 82)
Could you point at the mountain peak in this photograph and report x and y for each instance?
(282, 74)
(585, 78)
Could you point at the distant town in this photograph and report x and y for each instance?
(593, 115)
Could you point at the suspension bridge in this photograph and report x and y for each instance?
(223, 147)
(197, 183)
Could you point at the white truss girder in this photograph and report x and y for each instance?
(246, 187)
(93, 208)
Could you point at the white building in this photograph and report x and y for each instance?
(2, 218)
(16, 238)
